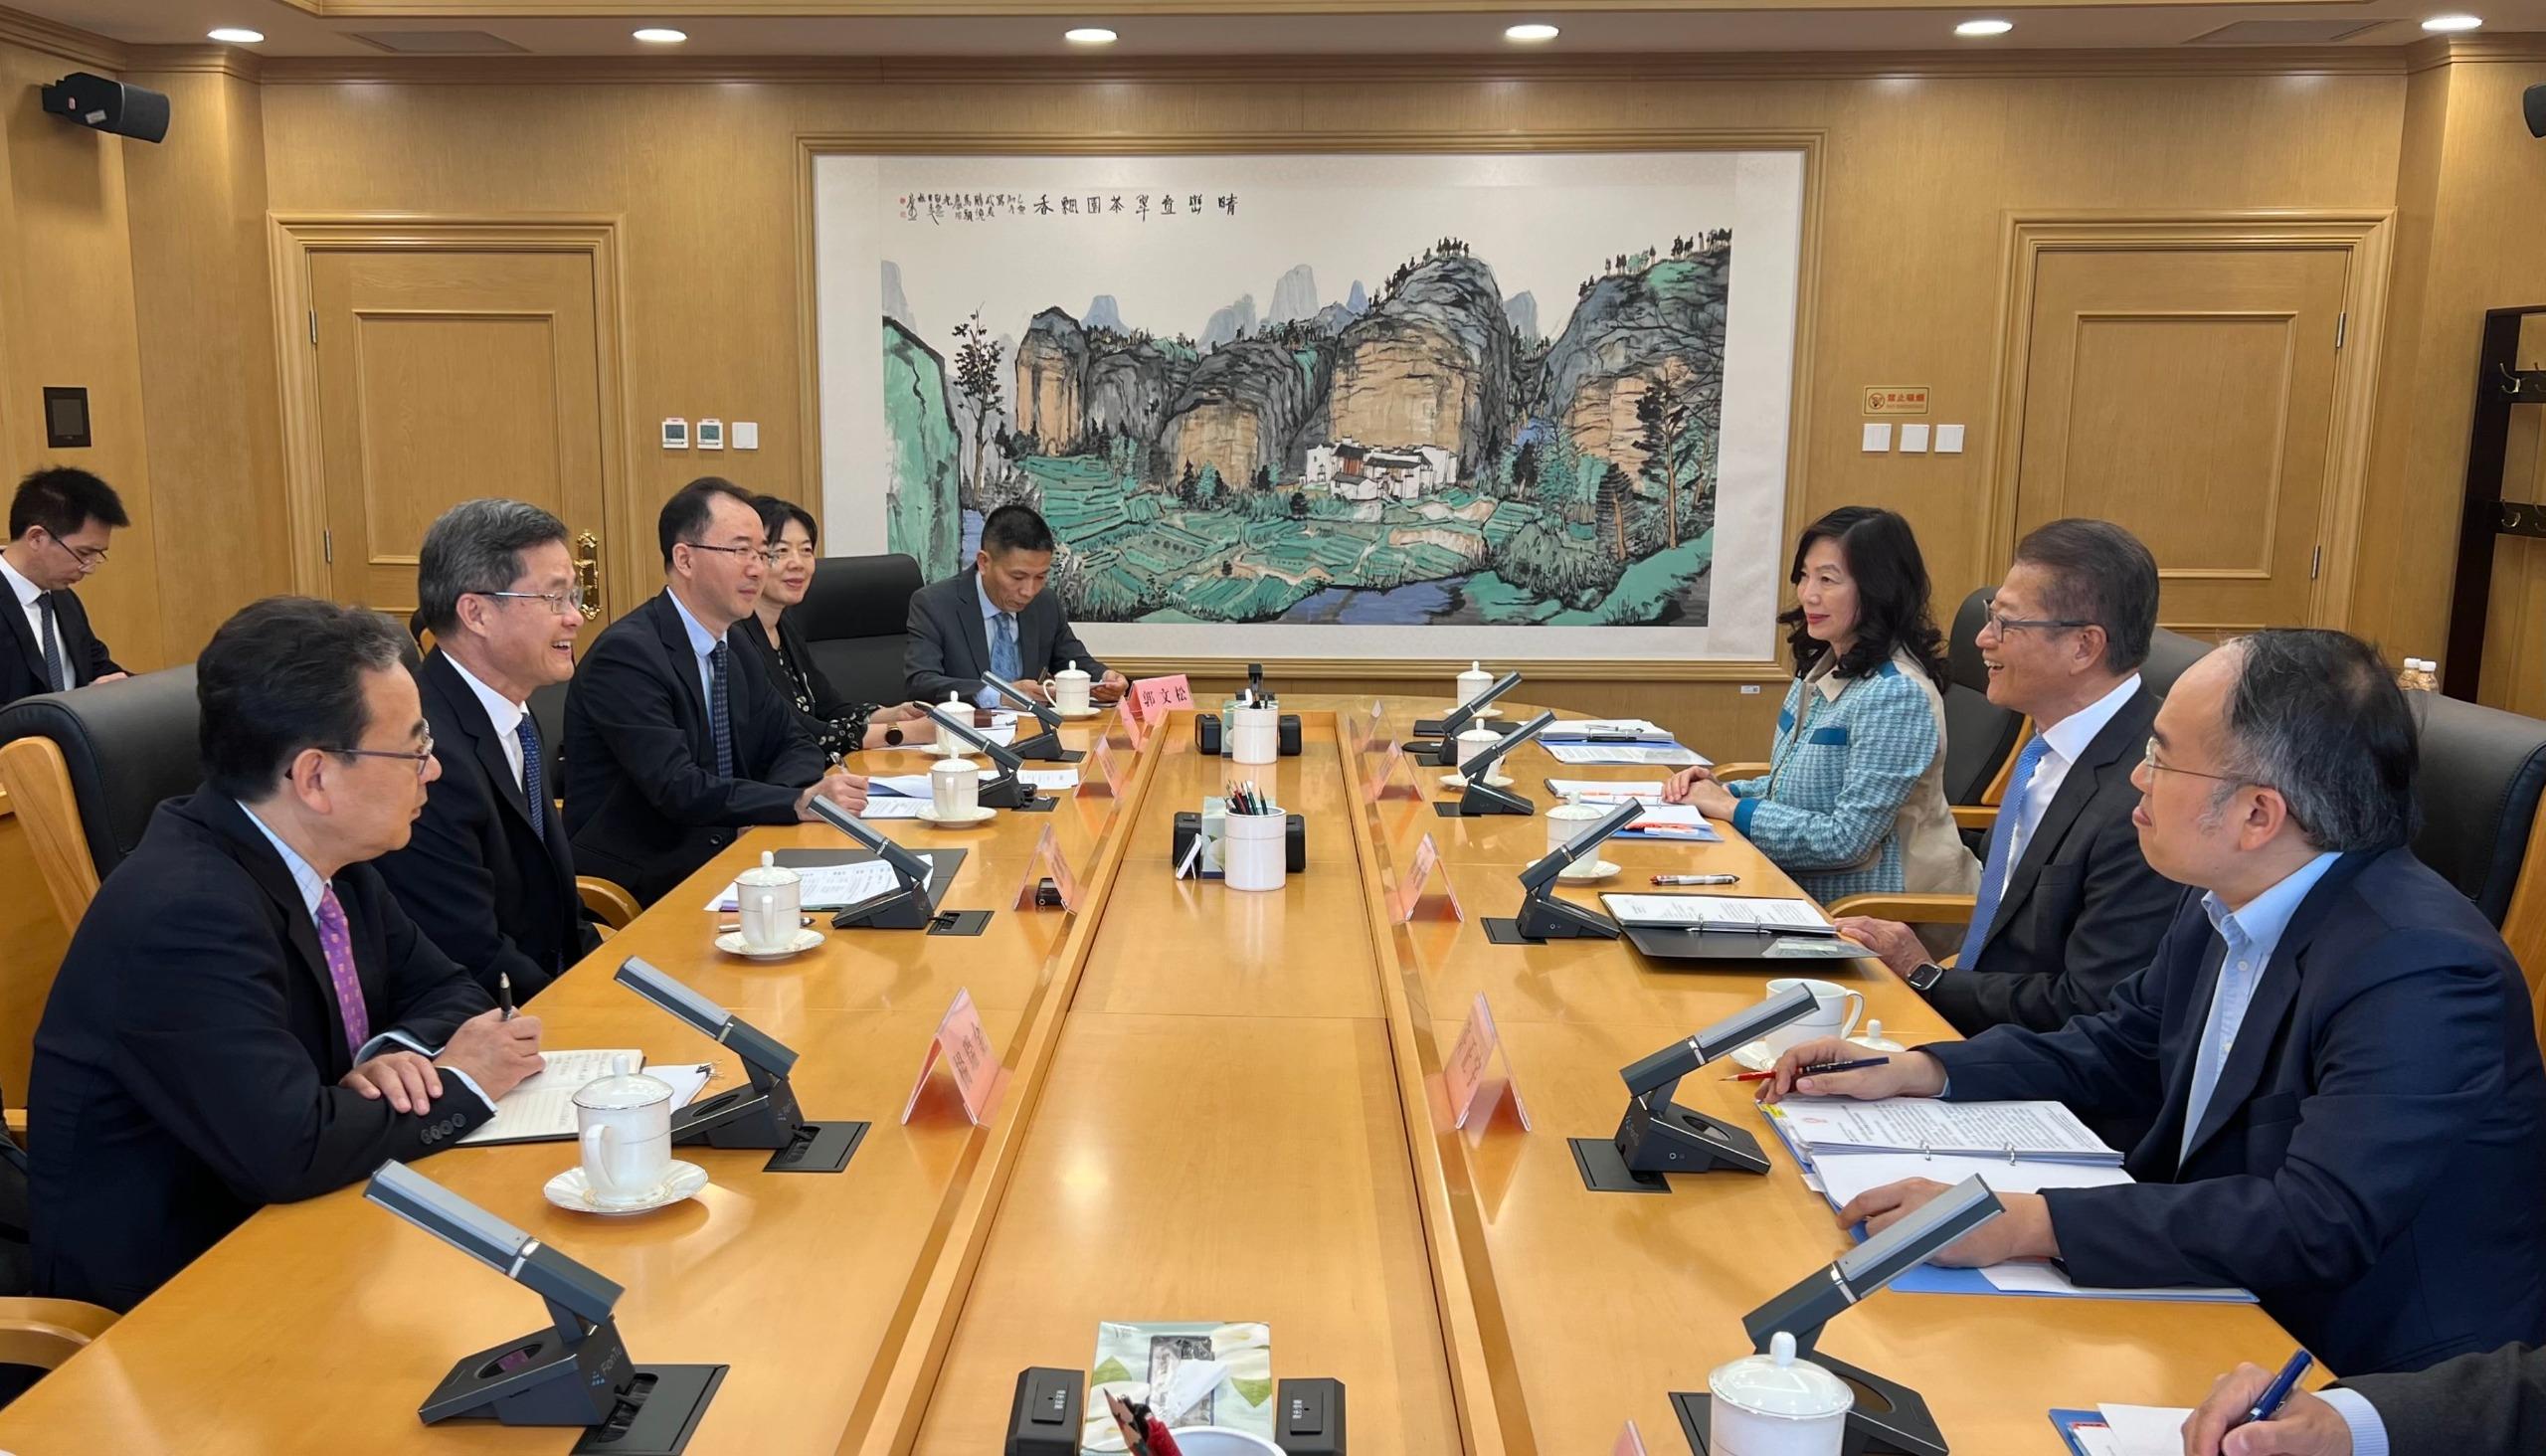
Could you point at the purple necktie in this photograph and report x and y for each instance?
(338, 943)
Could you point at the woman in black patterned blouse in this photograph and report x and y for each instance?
(837, 725)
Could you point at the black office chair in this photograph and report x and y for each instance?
(2482, 772)
(548, 710)
(84, 771)
(1980, 736)
(2169, 653)
(856, 617)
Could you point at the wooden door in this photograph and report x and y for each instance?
(444, 374)
(2188, 393)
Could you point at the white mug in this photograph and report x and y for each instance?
(953, 788)
(625, 1123)
(1826, 1020)
(1566, 820)
(945, 744)
(769, 898)
(1476, 741)
(1071, 689)
(1775, 1404)
(1473, 682)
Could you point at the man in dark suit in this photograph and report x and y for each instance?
(2490, 1405)
(245, 1016)
(673, 740)
(489, 875)
(2068, 905)
(2332, 1052)
(60, 522)
(997, 618)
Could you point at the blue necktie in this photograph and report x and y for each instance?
(54, 678)
(532, 793)
(720, 722)
(1993, 874)
(1003, 648)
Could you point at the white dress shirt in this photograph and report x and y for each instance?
(502, 711)
(2062, 741)
(29, 594)
(701, 643)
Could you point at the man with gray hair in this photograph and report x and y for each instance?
(2068, 905)
(489, 875)
(2331, 1049)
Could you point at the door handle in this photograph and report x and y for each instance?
(587, 573)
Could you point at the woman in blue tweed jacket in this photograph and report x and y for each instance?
(1854, 801)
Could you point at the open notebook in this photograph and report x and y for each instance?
(542, 1108)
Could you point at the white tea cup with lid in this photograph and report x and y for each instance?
(625, 1123)
(1473, 682)
(953, 788)
(769, 896)
(945, 744)
(1071, 689)
(1776, 1404)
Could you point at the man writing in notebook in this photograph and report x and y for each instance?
(2332, 1051)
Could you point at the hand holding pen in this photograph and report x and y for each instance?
(2292, 1420)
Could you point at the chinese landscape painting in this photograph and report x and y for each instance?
(1516, 408)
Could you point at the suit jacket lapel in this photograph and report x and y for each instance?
(25, 633)
(683, 663)
(2080, 785)
(462, 709)
(975, 628)
(273, 877)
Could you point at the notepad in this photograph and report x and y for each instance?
(830, 887)
(541, 1108)
(1783, 915)
(1610, 730)
(1642, 755)
(2006, 1131)
(1607, 790)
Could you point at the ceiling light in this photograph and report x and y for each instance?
(1529, 35)
(2447, 23)
(655, 35)
(231, 35)
(1984, 27)
(1089, 35)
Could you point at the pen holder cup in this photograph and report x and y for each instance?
(1255, 735)
(1252, 855)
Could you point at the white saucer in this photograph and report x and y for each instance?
(731, 943)
(1579, 873)
(979, 815)
(1755, 1056)
(1091, 712)
(570, 1190)
(1460, 780)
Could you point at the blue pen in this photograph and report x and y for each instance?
(2269, 1403)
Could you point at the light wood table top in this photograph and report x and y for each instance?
(1221, 1105)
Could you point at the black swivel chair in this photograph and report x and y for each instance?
(2169, 653)
(84, 771)
(2482, 773)
(1980, 736)
(856, 618)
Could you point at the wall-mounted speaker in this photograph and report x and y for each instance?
(109, 105)
(2533, 102)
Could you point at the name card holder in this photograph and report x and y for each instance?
(1106, 781)
(1153, 698)
(965, 1047)
(1466, 1075)
(1410, 888)
(1048, 862)
(1630, 1442)
(1394, 777)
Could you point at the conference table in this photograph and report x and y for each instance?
(1214, 1105)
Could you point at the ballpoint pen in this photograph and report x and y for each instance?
(504, 992)
(2269, 1405)
(1823, 1070)
(1697, 879)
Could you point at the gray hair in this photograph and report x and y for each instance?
(2100, 573)
(477, 546)
(2314, 715)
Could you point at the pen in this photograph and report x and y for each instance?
(1823, 1070)
(1697, 879)
(2269, 1403)
(504, 992)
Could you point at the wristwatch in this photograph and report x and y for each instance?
(1926, 976)
(892, 736)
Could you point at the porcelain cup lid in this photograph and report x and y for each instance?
(1779, 1384)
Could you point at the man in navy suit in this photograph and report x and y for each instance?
(673, 740)
(245, 1016)
(2332, 1051)
(60, 522)
(998, 618)
(489, 875)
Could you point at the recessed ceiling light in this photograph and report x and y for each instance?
(656, 35)
(1529, 35)
(231, 35)
(1984, 27)
(1090, 34)
(2447, 23)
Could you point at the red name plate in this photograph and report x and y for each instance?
(1467, 1076)
(965, 1048)
(1410, 890)
(1047, 859)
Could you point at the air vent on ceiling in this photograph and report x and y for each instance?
(2285, 32)
(440, 43)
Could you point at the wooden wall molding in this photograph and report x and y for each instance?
(52, 38)
(203, 59)
(2515, 47)
(2368, 237)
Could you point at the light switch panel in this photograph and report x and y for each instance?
(747, 435)
(1913, 439)
(1948, 440)
(1878, 439)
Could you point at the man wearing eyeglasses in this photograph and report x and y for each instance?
(489, 874)
(245, 1016)
(2068, 905)
(673, 740)
(2331, 1050)
(58, 525)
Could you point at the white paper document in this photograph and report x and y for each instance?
(830, 887)
(1636, 728)
(1607, 790)
(2146, 1430)
(1740, 912)
(1670, 822)
(1642, 755)
(1914, 1125)
(2031, 1276)
(542, 1106)
(1049, 780)
(892, 807)
(908, 785)
(1843, 1176)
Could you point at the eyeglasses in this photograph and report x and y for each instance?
(759, 551)
(775, 554)
(423, 755)
(2149, 757)
(88, 557)
(571, 600)
(2006, 625)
